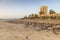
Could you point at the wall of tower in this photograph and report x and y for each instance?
(44, 9)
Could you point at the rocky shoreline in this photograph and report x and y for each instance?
(55, 27)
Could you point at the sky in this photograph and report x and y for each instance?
(21, 8)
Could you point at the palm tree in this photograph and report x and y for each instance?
(25, 17)
(36, 16)
(33, 15)
(29, 16)
(52, 12)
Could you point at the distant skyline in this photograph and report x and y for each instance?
(20, 8)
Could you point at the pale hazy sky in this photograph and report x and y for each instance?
(20, 8)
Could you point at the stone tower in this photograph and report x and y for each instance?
(44, 9)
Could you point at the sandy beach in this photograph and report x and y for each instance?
(10, 31)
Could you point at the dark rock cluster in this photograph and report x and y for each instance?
(39, 26)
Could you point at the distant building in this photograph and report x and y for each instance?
(44, 14)
(44, 9)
